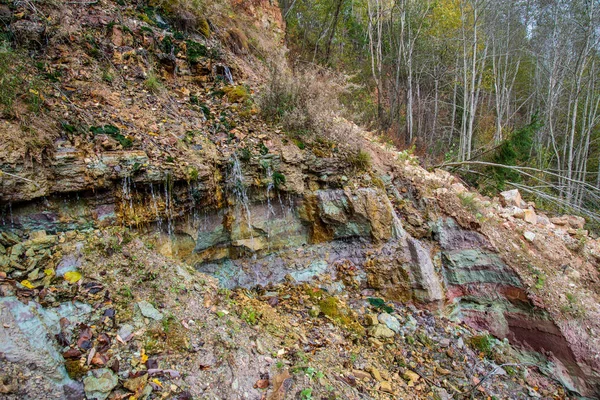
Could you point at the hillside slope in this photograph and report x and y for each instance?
(160, 239)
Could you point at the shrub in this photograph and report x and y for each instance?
(483, 343)
(152, 84)
(185, 15)
(306, 103)
(236, 40)
(360, 160)
(9, 81)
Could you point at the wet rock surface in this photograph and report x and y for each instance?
(174, 245)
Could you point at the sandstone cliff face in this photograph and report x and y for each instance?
(198, 174)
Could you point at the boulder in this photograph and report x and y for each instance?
(426, 284)
(570, 221)
(511, 198)
(529, 236)
(99, 383)
(381, 331)
(27, 333)
(389, 321)
(149, 311)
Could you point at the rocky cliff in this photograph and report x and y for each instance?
(164, 241)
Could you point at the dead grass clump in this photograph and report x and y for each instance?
(307, 104)
(186, 15)
(236, 40)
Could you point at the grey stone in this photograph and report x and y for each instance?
(27, 334)
(99, 383)
(125, 331)
(530, 236)
(149, 311)
(381, 331)
(315, 268)
(426, 284)
(389, 321)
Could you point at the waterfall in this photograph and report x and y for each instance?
(155, 207)
(127, 199)
(239, 191)
(228, 75)
(169, 205)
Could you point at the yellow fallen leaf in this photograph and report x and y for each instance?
(27, 284)
(72, 276)
(49, 271)
(33, 91)
(155, 380)
(143, 357)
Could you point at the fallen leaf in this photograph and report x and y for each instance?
(72, 276)
(27, 284)
(261, 384)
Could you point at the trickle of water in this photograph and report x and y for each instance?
(12, 220)
(397, 229)
(127, 197)
(270, 209)
(155, 206)
(239, 191)
(169, 207)
(228, 75)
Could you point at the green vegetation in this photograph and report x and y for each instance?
(483, 343)
(360, 160)
(113, 132)
(250, 315)
(237, 94)
(306, 394)
(380, 304)
(153, 84)
(195, 51)
(469, 202)
(278, 179)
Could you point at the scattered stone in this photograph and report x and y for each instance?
(444, 342)
(149, 311)
(569, 220)
(389, 321)
(381, 331)
(37, 235)
(362, 375)
(411, 377)
(510, 198)
(135, 384)
(529, 236)
(386, 386)
(375, 374)
(371, 319)
(529, 216)
(99, 383)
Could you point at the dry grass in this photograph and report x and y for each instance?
(307, 104)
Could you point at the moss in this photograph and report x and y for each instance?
(195, 51)
(332, 308)
(237, 94)
(204, 27)
(483, 343)
(76, 369)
